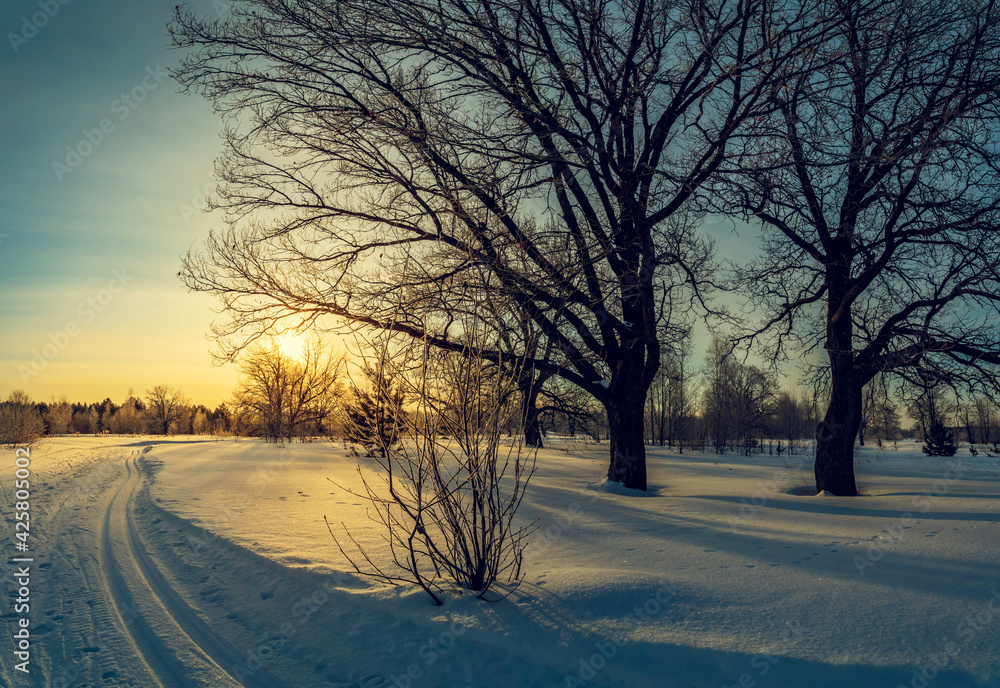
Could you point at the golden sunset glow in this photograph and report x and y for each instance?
(291, 344)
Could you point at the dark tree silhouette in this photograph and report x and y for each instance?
(875, 182)
(392, 161)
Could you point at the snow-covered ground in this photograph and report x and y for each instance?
(191, 562)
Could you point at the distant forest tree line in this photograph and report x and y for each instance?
(720, 404)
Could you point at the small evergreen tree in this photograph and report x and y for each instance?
(375, 416)
(939, 442)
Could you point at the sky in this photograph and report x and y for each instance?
(104, 166)
(104, 169)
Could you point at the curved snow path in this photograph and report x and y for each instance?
(106, 606)
(157, 659)
(134, 580)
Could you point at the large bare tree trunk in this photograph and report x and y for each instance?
(626, 404)
(628, 451)
(530, 383)
(835, 435)
(834, 467)
(532, 426)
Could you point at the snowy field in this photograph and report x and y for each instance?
(191, 562)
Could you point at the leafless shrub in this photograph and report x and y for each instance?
(21, 424)
(447, 493)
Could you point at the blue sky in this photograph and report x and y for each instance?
(92, 236)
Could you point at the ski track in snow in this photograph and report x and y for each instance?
(104, 613)
(206, 653)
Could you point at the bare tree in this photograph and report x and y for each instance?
(881, 416)
(683, 395)
(928, 401)
(21, 424)
(286, 397)
(987, 431)
(200, 424)
(752, 404)
(875, 184)
(718, 376)
(738, 400)
(85, 419)
(670, 404)
(435, 153)
(791, 419)
(164, 405)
